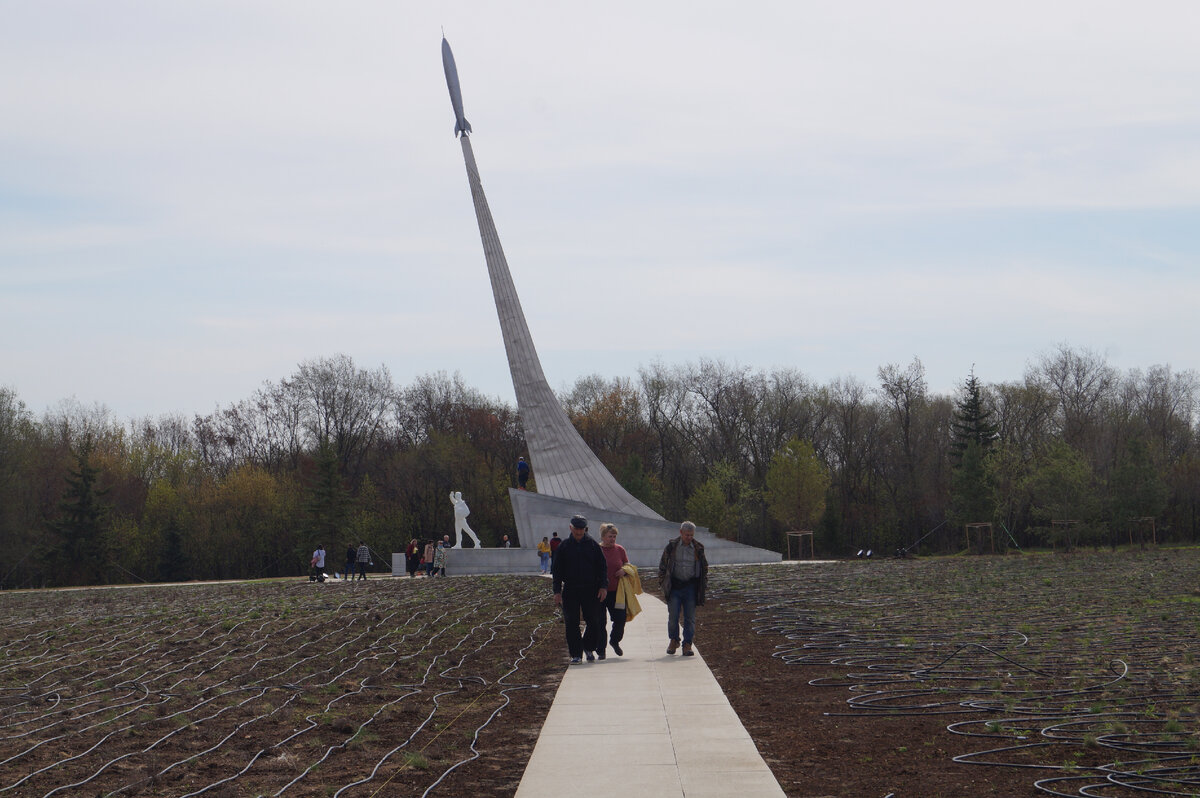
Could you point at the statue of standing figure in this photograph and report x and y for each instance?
(461, 511)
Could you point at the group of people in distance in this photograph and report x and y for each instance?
(356, 557)
(588, 577)
(428, 558)
(546, 551)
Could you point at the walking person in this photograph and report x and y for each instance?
(351, 556)
(544, 554)
(412, 557)
(363, 558)
(683, 571)
(615, 559)
(317, 574)
(580, 583)
(439, 559)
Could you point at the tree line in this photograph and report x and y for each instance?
(1075, 453)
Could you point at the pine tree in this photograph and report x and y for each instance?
(328, 501)
(173, 563)
(972, 420)
(971, 496)
(80, 525)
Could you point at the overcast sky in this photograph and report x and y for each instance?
(197, 196)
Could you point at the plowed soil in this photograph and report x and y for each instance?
(849, 677)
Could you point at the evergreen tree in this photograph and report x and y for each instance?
(971, 489)
(327, 501)
(80, 525)
(972, 421)
(971, 494)
(173, 564)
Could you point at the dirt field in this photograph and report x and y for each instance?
(855, 679)
(272, 689)
(967, 676)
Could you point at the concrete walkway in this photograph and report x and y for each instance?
(646, 724)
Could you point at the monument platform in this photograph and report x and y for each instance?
(462, 562)
(539, 516)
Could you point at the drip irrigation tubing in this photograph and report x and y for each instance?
(134, 689)
(1073, 665)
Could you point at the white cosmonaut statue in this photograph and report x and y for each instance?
(461, 511)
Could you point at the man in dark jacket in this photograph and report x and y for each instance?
(580, 577)
(683, 571)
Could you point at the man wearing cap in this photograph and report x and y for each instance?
(580, 578)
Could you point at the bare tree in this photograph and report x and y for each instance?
(1083, 383)
(342, 404)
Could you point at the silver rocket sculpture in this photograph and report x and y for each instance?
(461, 125)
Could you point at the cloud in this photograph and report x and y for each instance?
(219, 191)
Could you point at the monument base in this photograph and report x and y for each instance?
(460, 562)
(540, 516)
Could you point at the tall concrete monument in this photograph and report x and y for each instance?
(570, 478)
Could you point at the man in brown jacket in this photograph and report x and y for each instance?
(683, 571)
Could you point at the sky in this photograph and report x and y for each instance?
(196, 197)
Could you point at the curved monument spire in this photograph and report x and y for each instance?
(563, 465)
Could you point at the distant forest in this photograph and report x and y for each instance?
(1074, 454)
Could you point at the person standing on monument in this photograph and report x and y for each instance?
(580, 582)
(615, 558)
(523, 471)
(683, 571)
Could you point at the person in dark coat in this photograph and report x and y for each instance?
(412, 557)
(580, 579)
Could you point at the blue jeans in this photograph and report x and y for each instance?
(684, 596)
(544, 556)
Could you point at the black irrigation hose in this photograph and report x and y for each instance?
(151, 671)
(533, 639)
(1061, 662)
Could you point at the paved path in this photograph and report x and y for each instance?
(645, 724)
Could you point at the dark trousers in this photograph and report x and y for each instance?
(576, 603)
(617, 616)
(362, 570)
